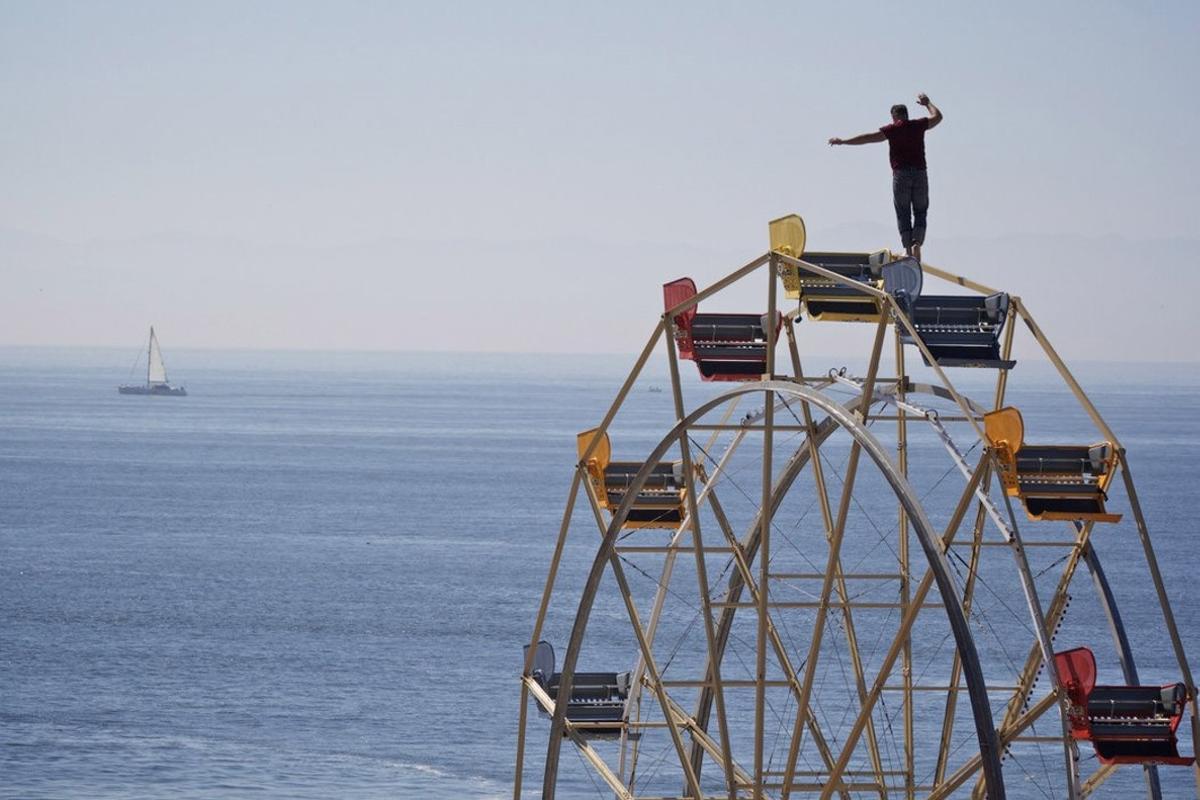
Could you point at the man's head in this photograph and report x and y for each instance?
(899, 112)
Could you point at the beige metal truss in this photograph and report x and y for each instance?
(738, 747)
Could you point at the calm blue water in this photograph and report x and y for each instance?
(313, 576)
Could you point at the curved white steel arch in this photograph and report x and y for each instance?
(989, 749)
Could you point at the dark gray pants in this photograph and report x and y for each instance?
(910, 193)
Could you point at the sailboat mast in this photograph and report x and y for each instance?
(149, 354)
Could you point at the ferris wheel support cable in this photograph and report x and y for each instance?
(840, 579)
(791, 470)
(966, 497)
(938, 572)
(749, 546)
(690, 723)
(592, 778)
(743, 554)
(976, 548)
(781, 652)
(843, 593)
(933, 390)
(1011, 533)
(835, 536)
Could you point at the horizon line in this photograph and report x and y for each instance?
(1037, 358)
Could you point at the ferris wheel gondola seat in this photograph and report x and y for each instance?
(596, 706)
(827, 300)
(725, 347)
(957, 330)
(659, 503)
(1126, 724)
(1054, 482)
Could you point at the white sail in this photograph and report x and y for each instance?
(156, 371)
(156, 375)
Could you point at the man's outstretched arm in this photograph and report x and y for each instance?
(935, 114)
(862, 138)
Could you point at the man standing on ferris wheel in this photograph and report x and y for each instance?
(910, 181)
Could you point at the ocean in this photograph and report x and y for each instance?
(313, 576)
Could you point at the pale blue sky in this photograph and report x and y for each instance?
(343, 174)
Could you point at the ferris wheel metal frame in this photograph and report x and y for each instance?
(822, 414)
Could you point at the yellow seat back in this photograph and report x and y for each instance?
(1005, 428)
(601, 454)
(597, 461)
(788, 237)
(1005, 432)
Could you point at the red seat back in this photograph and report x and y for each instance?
(674, 293)
(1077, 673)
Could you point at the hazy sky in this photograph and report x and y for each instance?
(509, 176)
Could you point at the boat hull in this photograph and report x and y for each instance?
(163, 390)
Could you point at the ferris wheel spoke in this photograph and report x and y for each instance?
(780, 650)
(827, 516)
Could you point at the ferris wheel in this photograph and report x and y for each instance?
(827, 584)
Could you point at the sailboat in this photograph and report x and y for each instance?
(156, 374)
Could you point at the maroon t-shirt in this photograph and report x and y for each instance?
(906, 143)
